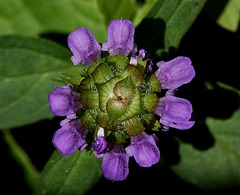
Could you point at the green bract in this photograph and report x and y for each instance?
(118, 97)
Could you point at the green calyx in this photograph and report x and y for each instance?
(118, 97)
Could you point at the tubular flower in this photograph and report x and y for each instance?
(70, 137)
(64, 101)
(84, 47)
(174, 73)
(175, 112)
(120, 38)
(115, 163)
(144, 149)
(109, 107)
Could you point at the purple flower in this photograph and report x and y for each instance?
(70, 137)
(84, 47)
(174, 73)
(120, 38)
(100, 146)
(175, 112)
(144, 149)
(134, 58)
(115, 163)
(64, 101)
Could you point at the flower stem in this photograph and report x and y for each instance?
(31, 174)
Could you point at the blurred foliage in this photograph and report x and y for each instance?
(203, 158)
(225, 12)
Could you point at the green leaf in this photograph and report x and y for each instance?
(27, 67)
(75, 80)
(143, 11)
(227, 13)
(112, 10)
(34, 17)
(74, 174)
(218, 167)
(30, 173)
(171, 19)
(230, 17)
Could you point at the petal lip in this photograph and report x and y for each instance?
(84, 47)
(115, 163)
(175, 112)
(144, 149)
(175, 109)
(120, 38)
(100, 146)
(70, 137)
(63, 101)
(180, 126)
(175, 73)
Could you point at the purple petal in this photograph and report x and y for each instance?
(70, 137)
(175, 112)
(63, 101)
(99, 146)
(174, 73)
(84, 47)
(115, 163)
(134, 58)
(181, 126)
(120, 38)
(144, 150)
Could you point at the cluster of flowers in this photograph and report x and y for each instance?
(173, 111)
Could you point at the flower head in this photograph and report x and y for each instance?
(117, 99)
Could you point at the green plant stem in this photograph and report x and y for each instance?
(31, 174)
